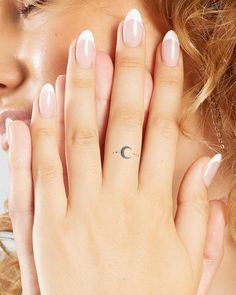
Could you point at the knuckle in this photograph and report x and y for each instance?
(131, 62)
(78, 83)
(83, 136)
(170, 80)
(201, 206)
(132, 118)
(15, 212)
(166, 125)
(43, 132)
(49, 172)
(159, 207)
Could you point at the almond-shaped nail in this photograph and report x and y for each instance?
(211, 169)
(170, 49)
(7, 124)
(47, 101)
(133, 29)
(85, 49)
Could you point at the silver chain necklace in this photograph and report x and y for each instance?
(217, 123)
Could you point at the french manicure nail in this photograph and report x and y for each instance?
(85, 49)
(7, 124)
(133, 29)
(170, 49)
(211, 169)
(47, 101)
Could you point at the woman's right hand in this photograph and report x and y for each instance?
(21, 210)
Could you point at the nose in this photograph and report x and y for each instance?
(11, 68)
(11, 72)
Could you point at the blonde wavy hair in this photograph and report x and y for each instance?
(207, 32)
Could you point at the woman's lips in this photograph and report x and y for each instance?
(14, 115)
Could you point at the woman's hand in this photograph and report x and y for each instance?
(22, 209)
(116, 221)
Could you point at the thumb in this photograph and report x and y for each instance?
(193, 208)
(214, 247)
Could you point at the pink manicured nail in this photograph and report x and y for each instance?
(211, 169)
(133, 29)
(170, 49)
(85, 49)
(7, 124)
(47, 101)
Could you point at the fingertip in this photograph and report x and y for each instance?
(60, 79)
(60, 85)
(104, 76)
(20, 147)
(193, 177)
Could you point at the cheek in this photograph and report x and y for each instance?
(45, 52)
(45, 47)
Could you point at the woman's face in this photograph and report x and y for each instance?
(34, 51)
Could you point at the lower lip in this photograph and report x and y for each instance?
(4, 141)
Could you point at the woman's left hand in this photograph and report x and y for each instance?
(115, 232)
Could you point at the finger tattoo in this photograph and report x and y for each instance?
(126, 152)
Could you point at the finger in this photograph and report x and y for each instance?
(124, 132)
(103, 86)
(214, 248)
(81, 131)
(193, 208)
(147, 91)
(148, 88)
(159, 151)
(21, 205)
(104, 77)
(60, 95)
(49, 189)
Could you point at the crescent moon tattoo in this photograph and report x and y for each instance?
(123, 154)
(123, 150)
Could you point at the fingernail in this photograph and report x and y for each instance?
(47, 101)
(133, 29)
(85, 49)
(7, 124)
(170, 49)
(211, 169)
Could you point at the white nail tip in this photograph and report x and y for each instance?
(47, 88)
(134, 14)
(171, 35)
(86, 35)
(217, 158)
(9, 120)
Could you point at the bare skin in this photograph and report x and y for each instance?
(45, 68)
